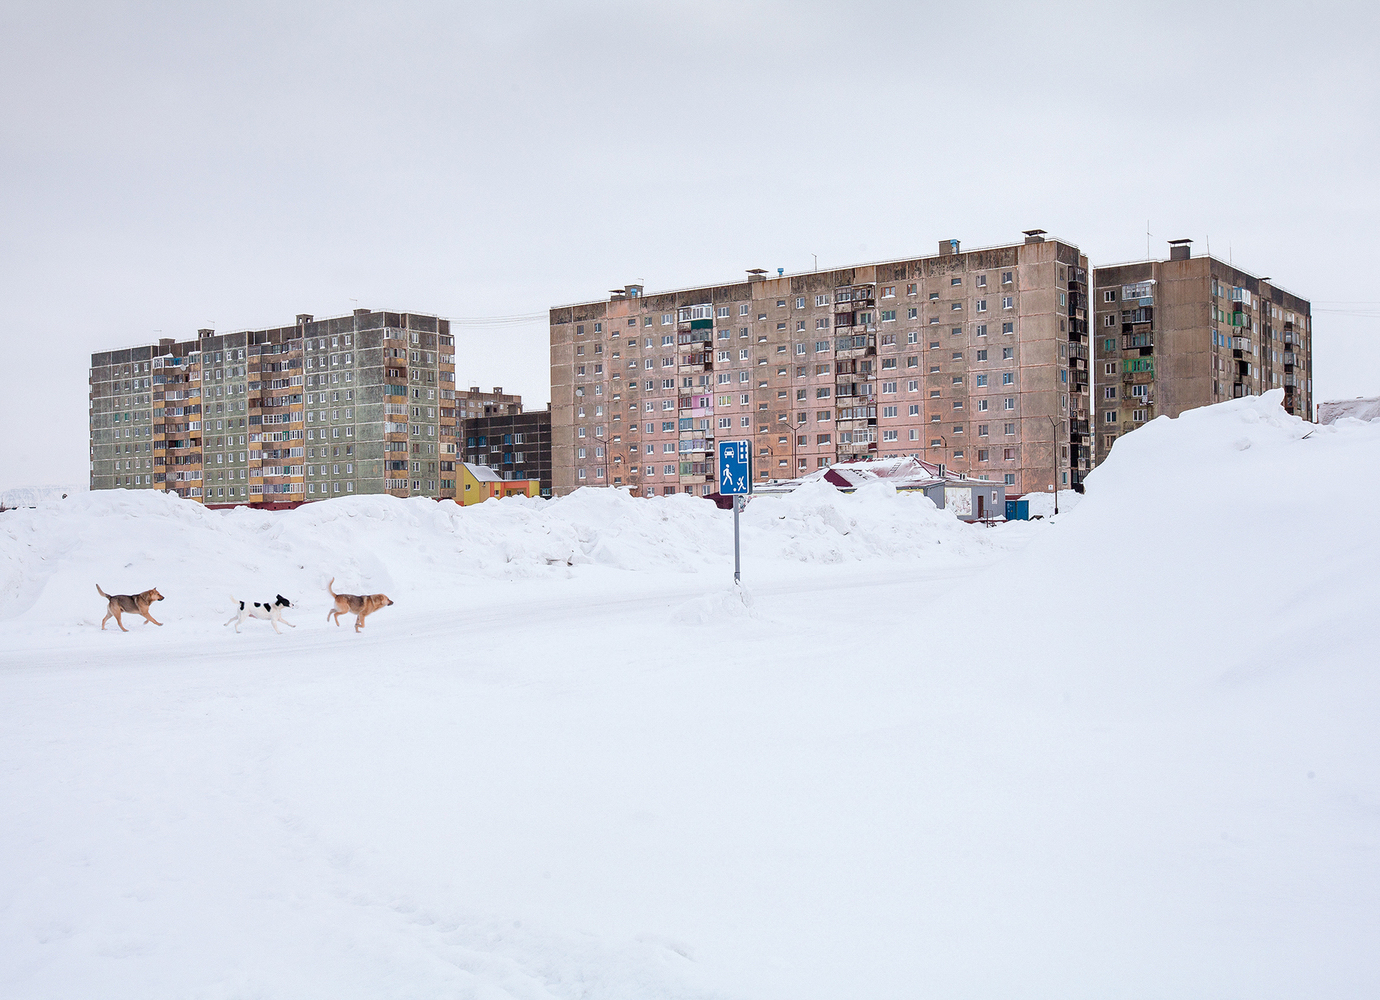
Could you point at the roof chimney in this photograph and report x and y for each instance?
(206, 333)
(498, 390)
(303, 318)
(361, 312)
(947, 247)
(1034, 235)
(756, 273)
(1179, 249)
(165, 343)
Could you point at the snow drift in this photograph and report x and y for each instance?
(1129, 751)
(127, 541)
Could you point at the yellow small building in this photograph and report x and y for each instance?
(479, 483)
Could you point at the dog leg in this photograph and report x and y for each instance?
(108, 615)
(119, 621)
(287, 623)
(149, 618)
(275, 626)
(232, 618)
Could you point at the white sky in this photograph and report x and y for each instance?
(169, 167)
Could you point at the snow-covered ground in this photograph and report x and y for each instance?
(1128, 751)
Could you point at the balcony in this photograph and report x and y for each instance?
(1290, 359)
(856, 346)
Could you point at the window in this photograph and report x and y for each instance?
(1008, 378)
(982, 404)
(912, 313)
(888, 435)
(1110, 418)
(980, 380)
(955, 306)
(982, 432)
(1006, 277)
(981, 305)
(889, 411)
(1109, 296)
(1009, 403)
(1007, 302)
(743, 309)
(1109, 392)
(821, 300)
(913, 385)
(1008, 353)
(722, 312)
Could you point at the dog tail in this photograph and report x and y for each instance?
(329, 585)
(102, 592)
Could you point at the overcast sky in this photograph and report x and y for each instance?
(169, 167)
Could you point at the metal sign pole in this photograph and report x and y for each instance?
(735, 480)
(737, 565)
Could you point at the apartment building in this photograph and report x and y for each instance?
(1171, 335)
(975, 359)
(364, 403)
(515, 445)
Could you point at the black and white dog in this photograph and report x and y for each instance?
(272, 613)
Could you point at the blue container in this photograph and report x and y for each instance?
(1018, 510)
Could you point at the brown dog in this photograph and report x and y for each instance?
(360, 605)
(138, 604)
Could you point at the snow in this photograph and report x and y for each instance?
(1126, 751)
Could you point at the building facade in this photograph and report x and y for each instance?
(515, 445)
(1171, 335)
(364, 403)
(975, 359)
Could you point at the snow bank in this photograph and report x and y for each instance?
(52, 557)
(915, 759)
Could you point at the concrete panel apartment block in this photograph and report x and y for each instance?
(356, 404)
(977, 359)
(1171, 335)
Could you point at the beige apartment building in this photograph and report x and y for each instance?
(364, 403)
(976, 359)
(1171, 335)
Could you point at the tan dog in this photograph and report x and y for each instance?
(360, 605)
(137, 604)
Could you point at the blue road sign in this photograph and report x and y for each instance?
(735, 473)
